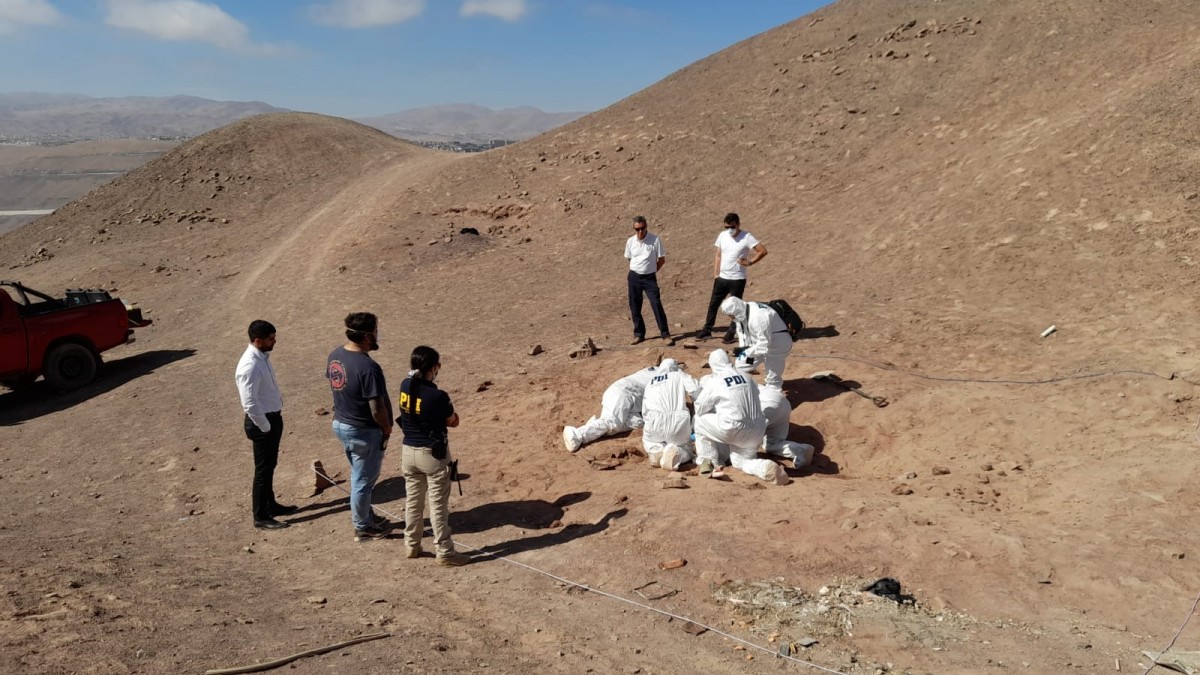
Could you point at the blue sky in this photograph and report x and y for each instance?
(368, 57)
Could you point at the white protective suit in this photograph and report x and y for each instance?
(779, 411)
(667, 435)
(620, 410)
(728, 411)
(762, 334)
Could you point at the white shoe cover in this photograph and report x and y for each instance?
(669, 456)
(781, 477)
(571, 439)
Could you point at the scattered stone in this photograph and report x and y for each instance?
(606, 464)
(982, 478)
(320, 412)
(316, 599)
(675, 482)
(902, 489)
(672, 564)
(940, 471)
(468, 230)
(910, 475)
(483, 386)
(692, 628)
(588, 348)
(985, 466)
(807, 642)
(535, 350)
(1176, 554)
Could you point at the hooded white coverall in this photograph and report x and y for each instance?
(620, 410)
(667, 436)
(779, 411)
(728, 411)
(762, 334)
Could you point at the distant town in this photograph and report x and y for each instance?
(55, 139)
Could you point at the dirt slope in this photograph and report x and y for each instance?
(939, 181)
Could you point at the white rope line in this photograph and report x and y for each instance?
(1154, 662)
(606, 594)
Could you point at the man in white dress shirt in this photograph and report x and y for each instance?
(263, 405)
(646, 258)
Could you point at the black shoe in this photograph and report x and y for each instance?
(729, 338)
(271, 524)
(370, 534)
(704, 334)
(668, 339)
(637, 340)
(284, 510)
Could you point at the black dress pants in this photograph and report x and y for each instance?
(647, 284)
(266, 456)
(722, 288)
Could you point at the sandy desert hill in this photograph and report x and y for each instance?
(936, 181)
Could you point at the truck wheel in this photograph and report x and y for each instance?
(70, 366)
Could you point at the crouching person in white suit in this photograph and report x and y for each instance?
(779, 411)
(620, 410)
(762, 336)
(728, 411)
(667, 434)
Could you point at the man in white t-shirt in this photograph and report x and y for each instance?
(646, 257)
(736, 250)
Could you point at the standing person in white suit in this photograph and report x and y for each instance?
(728, 411)
(620, 410)
(762, 336)
(779, 411)
(667, 435)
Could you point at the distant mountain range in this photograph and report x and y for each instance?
(468, 123)
(65, 117)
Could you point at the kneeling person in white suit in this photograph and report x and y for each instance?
(728, 411)
(667, 435)
(762, 335)
(779, 411)
(620, 410)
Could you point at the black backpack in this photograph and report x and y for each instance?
(791, 319)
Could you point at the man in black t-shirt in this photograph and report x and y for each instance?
(425, 414)
(362, 417)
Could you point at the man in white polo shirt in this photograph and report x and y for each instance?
(736, 250)
(646, 257)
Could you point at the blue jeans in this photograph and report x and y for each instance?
(364, 449)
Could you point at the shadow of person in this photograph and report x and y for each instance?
(807, 390)
(316, 511)
(566, 534)
(529, 514)
(388, 490)
(40, 398)
(815, 332)
(821, 463)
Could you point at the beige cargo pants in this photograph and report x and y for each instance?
(424, 475)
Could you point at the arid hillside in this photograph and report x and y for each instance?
(937, 183)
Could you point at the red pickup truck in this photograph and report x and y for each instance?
(60, 338)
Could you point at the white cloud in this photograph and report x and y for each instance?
(509, 10)
(365, 13)
(183, 21)
(14, 13)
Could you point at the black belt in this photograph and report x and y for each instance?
(643, 276)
